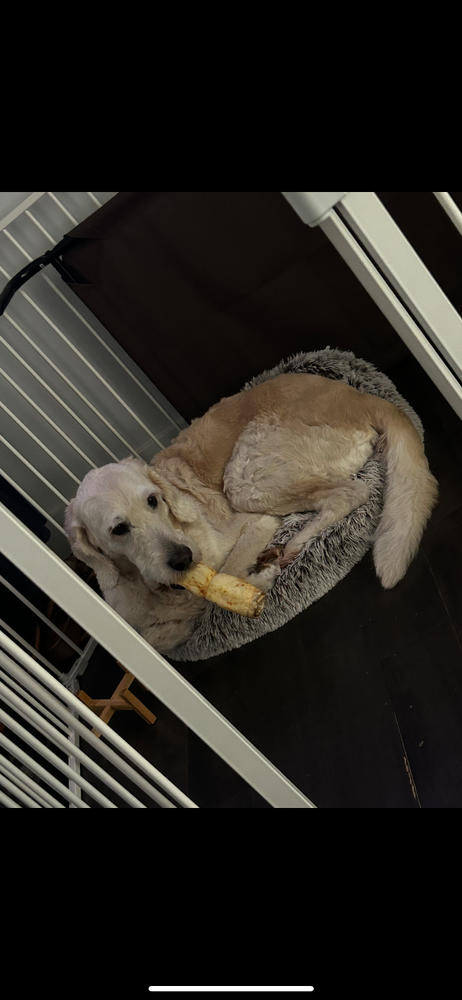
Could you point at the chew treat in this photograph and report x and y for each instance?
(227, 591)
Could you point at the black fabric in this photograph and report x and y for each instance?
(203, 289)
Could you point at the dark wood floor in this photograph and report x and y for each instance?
(358, 700)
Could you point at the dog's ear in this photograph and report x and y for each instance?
(179, 501)
(106, 572)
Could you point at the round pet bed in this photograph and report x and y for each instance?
(333, 553)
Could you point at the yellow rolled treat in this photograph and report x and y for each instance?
(228, 592)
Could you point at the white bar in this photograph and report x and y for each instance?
(231, 989)
(20, 639)
(407, 273)
(81, 356)
(94, 198)
(62, 207)
(313, 206)
(32, 468)
(42, 230)
(69, 717)
(42, 773)
(51, 732)
(47, 801)
(12, 787)
(18, 245)
(86, 323)
(155, 673)
(393, 309)
(75, 704)
(53, 759)
(61, 402)
(97, 375)
(110, 351)
(34, 437)
(77, 755)
(64, 298)
(7, 662)
(33, 502)
(11, 216)
(9, 803)
(69, 382)
(17, 778)
(450, 208)
(74, 764)
(54, 628)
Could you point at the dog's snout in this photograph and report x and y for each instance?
(180, 558)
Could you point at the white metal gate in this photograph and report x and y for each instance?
(60, 374)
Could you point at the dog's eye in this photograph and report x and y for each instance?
(121, 529)
(152, 500)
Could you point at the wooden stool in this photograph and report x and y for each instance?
(121, 699)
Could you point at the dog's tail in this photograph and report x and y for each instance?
(411, 493)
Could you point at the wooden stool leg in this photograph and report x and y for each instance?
(122, 698)
(135, 703)
(105, 716)
(85, 698)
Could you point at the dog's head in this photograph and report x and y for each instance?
(125, 516)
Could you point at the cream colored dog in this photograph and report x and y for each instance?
(218, 493)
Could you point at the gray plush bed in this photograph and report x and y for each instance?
(331, 555)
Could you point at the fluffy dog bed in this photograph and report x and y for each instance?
(332, 554)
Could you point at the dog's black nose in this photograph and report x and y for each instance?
(180, 558)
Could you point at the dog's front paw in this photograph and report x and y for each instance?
(265, 578)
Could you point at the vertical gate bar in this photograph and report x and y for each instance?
(9, 803)
(62, 742)
(397, 314)
(53, 758)
(79, 729)
(450, 207)
(109, 734)
(74, 764)
(41, 771)
(15, 789)
(48, 801)
(403, 268)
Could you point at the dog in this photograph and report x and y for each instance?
(218, 493)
